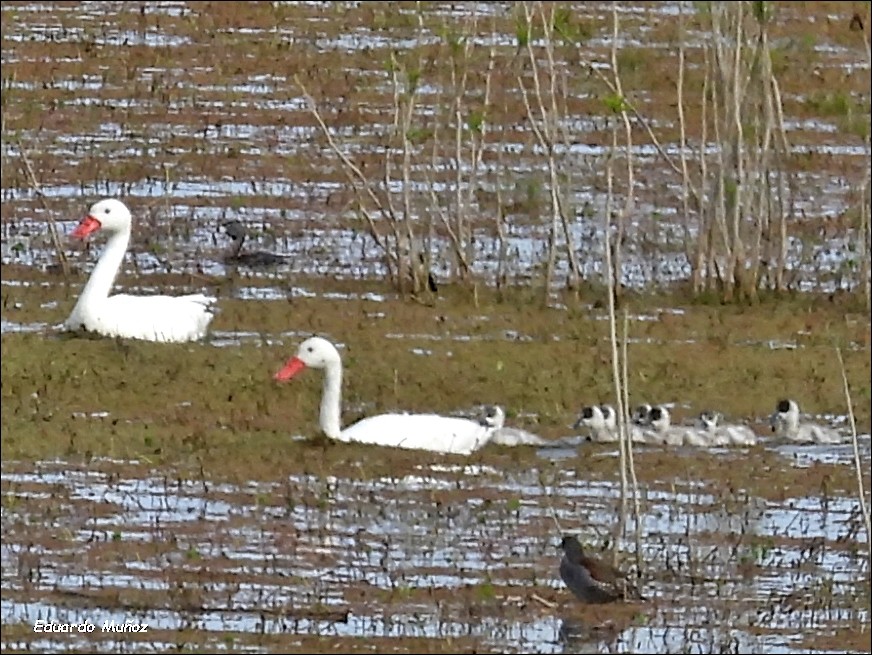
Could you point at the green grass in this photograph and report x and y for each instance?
(189, 402)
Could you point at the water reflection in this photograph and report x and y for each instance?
(385, 557)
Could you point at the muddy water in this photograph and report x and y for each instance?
(457, 552)
(179, 108)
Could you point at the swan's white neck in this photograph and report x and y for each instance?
(103, 276)
(331, 400)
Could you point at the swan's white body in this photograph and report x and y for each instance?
(611, 418)
(661, 431)
(786, 423)
(441, 434)
(494, 417)
(151, 318)
(602, 425)
(725, 434)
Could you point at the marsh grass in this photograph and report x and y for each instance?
(176, 433)
(198, 400)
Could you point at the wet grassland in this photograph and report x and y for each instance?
(180, 486)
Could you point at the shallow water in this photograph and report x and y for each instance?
(259, 117)
(266, 557)
(190, 134)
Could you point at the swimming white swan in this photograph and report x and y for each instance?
(152, 318)
(611, 418)
(441, 434)
(494, 417)
(662, 431)
(602, 425)
(785, 423)
(727, 434)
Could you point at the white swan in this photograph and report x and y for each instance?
(611, 418)
(432, 432)
(785, 423)
(732, 434)
(601, 423)
(152, 318)
(663, 432)
(494, 417)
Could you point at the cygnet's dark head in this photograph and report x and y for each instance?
(786, 414)
(709, 420)
(493, 416)
(641, 415)
(658, 418)
(591, 416)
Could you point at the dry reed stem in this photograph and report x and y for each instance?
(858, 465)
(52, 225)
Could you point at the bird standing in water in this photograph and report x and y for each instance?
(591, 580)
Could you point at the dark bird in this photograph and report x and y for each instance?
(592, 580)
(234, 255)
(856, 24)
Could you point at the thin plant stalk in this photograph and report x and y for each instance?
(624, 419)
(858, 465)
(359, 182)
(52, 226)
(628, 153)
(613, 340)
(545, 135)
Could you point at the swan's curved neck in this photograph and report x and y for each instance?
(331, 400)
(103, 276)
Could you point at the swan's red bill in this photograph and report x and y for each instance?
(294, 366)
(86, 226)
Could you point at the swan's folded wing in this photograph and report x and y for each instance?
(442, 434)
(516, 437)
(153, 318)
(825, 435)
(741, 435)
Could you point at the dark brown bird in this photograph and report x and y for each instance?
(856, 24)
(234, 255)
(592, 580)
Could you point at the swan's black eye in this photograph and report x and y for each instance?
(107, 211)
(309, 348)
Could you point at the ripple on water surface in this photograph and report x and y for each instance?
(407, 557)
